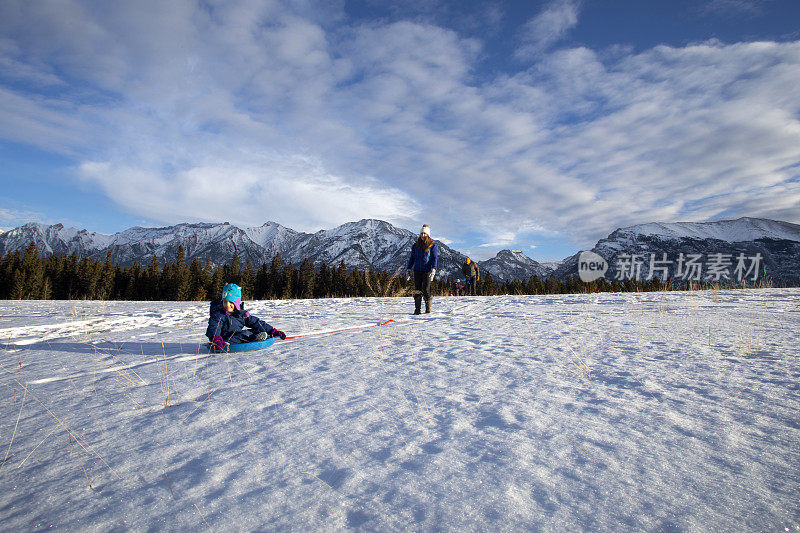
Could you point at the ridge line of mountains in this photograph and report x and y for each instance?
(379, 245)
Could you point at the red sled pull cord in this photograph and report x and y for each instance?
(330, 332)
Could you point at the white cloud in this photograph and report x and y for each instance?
(298, 121)
(249, 194)
(13, 68)
(49, 123)
(547, 28)
(18, 216)
(699, 124)
(732, 8)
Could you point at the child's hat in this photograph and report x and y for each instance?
(232, 293)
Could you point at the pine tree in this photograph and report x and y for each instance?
(216, 283)
(70, 277)
(516, 287)
(180, 257)
(340, 280)
(572, 285)
(305, 285)
(232, 270)
(55, 271)
(6, 276)
(535, 285)
(132, 290)
(47, 289)
(120, 282)
(18, 285)
(261, 283)
(322, 282)
(33, 273)
(84, 286)
(482, 285)
(275, 280)
(105, 280)
(181, 284)
(551, 286)
(197, 281)
(629, 285)
(288, 283)
(152, 278)
(248, 281)
(352, 283)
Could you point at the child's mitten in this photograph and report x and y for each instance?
(218, 343)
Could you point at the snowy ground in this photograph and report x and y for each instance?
(603, 412)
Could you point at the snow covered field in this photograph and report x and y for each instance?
(602, 412)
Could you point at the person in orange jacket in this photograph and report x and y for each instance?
(472, 274)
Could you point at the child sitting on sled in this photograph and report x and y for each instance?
(228, 321)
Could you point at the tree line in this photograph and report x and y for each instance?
(29, 276)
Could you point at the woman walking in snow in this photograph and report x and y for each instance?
(423, 262)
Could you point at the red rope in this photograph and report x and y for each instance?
(340, 330)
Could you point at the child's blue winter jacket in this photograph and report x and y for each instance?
(230, 326)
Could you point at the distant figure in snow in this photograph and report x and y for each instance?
(228, 321)
(458, 286)
(423, 262)
(472, 273)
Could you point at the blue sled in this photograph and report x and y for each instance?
(243, 346)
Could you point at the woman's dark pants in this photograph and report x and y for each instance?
(422, 289)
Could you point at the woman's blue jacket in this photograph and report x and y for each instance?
(423, 260)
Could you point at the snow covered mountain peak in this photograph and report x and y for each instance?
(515, 254)
(367, 226)
(55, 239)
(514, 264)
(739, 230)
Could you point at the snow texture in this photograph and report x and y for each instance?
(551, 264)
(601, 412)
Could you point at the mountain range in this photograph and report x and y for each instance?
(376, 244)
(368, 243)
(769, 249)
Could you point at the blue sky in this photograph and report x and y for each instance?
(540, 126)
